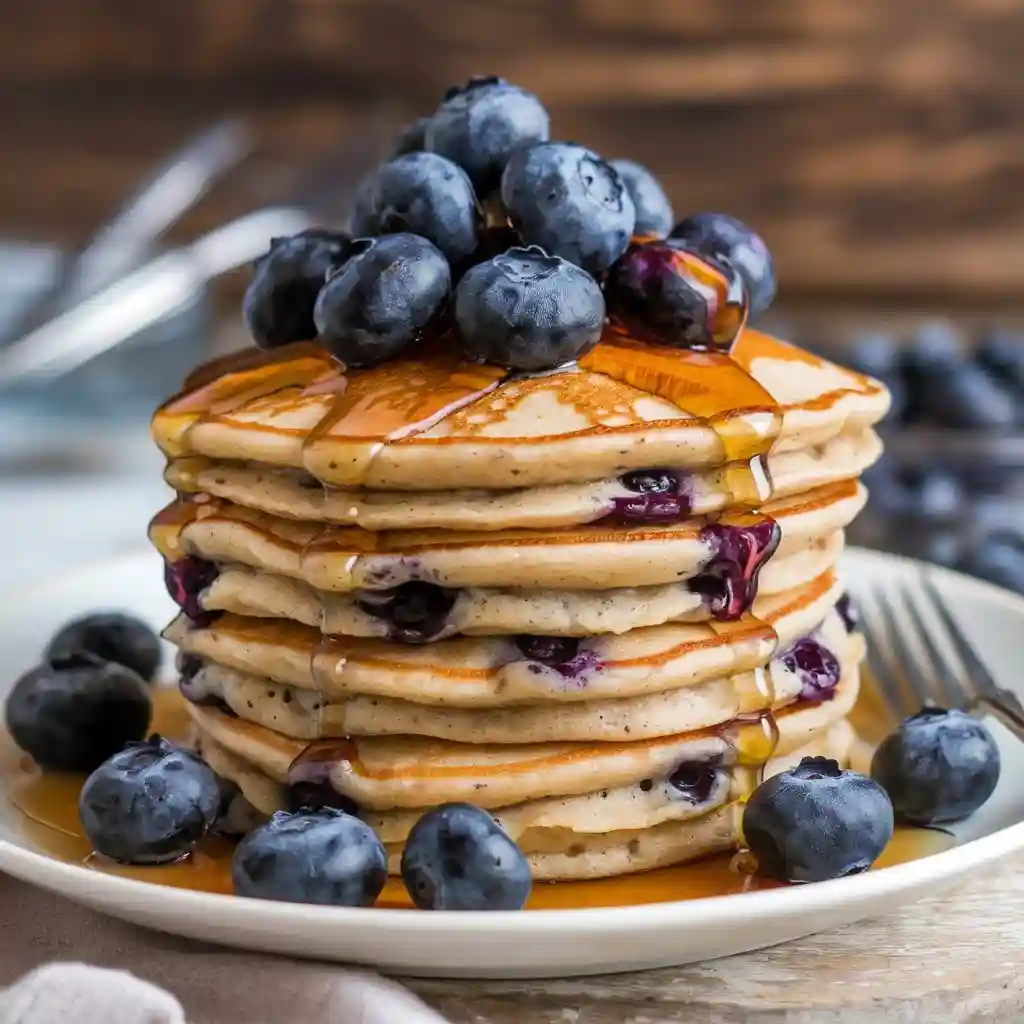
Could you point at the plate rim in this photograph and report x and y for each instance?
(47, 872)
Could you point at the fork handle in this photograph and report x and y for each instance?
(1010, 717)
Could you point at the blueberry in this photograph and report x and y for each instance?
(815, 666)
(324, 856)
(817, 822)
(426, 195)
(653, 210)
(695, 780)
(72, 712)
(937, 766)
(1001, 352)
(149, 804)
(940, 496)
(998, 559)
(112, 636)
(570, 202)
(411, 139)
(479, 126)
(415, 612)
(457, 857)
(666, 295)
(721, 236)
(186, 579)
(314, 795)
(528, 311)
(278, 304)
(381, 300)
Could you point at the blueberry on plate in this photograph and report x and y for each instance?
(457, 857)
(278, 304)
(817, 821)
(721, 236)
(570, 202)
(653, 210)
(72, 712)
(528, 311)
(665, 294)
(480, 124)
(411, 139)
(149, 804)
(380, 301)
(937, 766)
(111, 636)
(426, 195)
(324, 856)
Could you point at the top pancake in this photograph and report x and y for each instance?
(434, 423)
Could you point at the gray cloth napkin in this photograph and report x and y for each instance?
(46, 942)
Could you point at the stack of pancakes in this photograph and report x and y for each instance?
(599, 602)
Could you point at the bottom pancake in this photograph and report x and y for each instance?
(691, 814)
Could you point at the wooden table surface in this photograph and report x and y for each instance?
(953, 958)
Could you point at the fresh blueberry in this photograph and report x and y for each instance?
(149, 804)
(415, 612)
(817, 822)
(570, 202)
(457, 857)
(278, 304)
(1001, 352)
(935, 345)
(479, 126)
(937, 766)
(940, 495)
(653, 210)
(381, 300)
(324, 856)
(112, 636)
(423, 194)
(963, 397)
(528, 311)
(720, 236)
(186, 579)
(999, 559)
(666, 295)
(72, 712)
(411, 139)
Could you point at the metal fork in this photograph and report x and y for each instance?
(920, 656)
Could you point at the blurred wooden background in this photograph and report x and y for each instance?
(877, 144)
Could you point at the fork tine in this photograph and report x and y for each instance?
(957, 687)
(980, 679)
(881, 659)
(906, 657)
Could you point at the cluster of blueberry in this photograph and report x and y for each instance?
(87, 707)
(480, 226)
(956, 504)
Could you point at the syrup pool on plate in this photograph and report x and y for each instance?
(48, 806)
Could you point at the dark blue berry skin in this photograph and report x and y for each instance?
(479, 126)
(653, 210)
(570, 202)
(938, 766)
(817, 822)
(278, 304)
(528, 311)
(149, 804)
(415, 612)
(423, 194)
(381, 300)
(457, 857)
(324, 856)
(411, 139)
(111, 636)
(1001, 353)
(719, 235)
(72, 713)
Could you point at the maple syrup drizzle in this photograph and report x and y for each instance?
(48, 806)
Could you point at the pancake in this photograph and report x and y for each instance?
(474, 672)
(634, 827)
(294, 494)
(728, 552)
(385, 773)
(487, 611)
(435, 423)
(307, 715)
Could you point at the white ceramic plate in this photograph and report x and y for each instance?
(524, 944)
